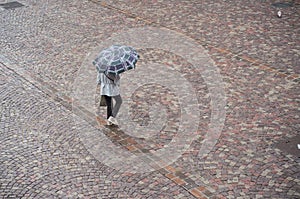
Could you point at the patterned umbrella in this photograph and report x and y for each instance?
(116, 59)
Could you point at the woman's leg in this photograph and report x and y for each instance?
(117, 106)
(109, 104)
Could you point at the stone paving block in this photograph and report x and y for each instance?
(44, 157)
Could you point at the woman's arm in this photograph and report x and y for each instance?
(98, 79)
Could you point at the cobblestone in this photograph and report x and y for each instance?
(43, 149)
(47, 161)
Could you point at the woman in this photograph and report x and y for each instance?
(110, 88)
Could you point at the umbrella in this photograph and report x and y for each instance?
(116, 59)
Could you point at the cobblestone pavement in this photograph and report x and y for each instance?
(50, 145)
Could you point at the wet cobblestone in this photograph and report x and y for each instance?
(43, 154)
(245, 28)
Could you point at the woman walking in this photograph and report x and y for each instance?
(109, 64)
(110, 88)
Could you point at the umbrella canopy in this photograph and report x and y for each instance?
(116, 59)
